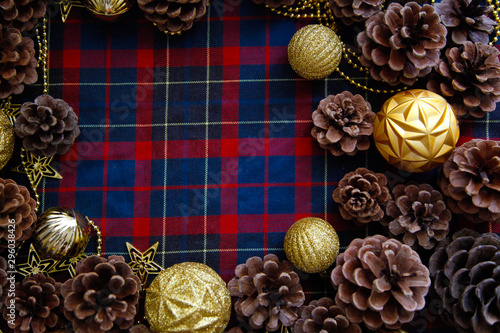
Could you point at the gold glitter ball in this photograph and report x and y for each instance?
(188, 297)
(311, 244)
(314, 51)
(416, 130)
(6, 139)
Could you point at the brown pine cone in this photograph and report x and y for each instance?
(37, 302)
(343, 123)
(323, 316)
(3, 282)
(15, 205)
(173, 15)
(419, 214)
(470, 178)
(465, 270)
(380, 282)
(139, 329)
(268, 293)
(102, 297)
(403, 43)
(21, 14)
(48, 126)
(17, 62)
(468, 76)
(275, 3)
(361, 196)
(351, 11)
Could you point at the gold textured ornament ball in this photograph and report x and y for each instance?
(61, 233)
(6, 139)
(314, 51)
(311, 244)
(108, 10)
(416, 130)
(188, 297)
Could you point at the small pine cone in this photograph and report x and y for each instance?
(468, 76)
(275, 3)
(403, 43)
(343, 123)
(323, 316)
(351, 11)
(17, 62)
(38, 303)
(15, 205)
(139, 329)
(3, 282)
(470, 178)
(380, 282)
(173, 15)
(419, 214)
(22, 14)
(48, 126)
(102, 297)
(465, 271)
(268, 293)
(361, 196)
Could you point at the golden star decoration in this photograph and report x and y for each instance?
(36, 265)
(142, 263)
(11, 110)
(36, 168)
(68, 264)
(65, 7)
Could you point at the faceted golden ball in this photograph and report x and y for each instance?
(108, 9)
(416, 130)
(188, 297)
(312, 245)
(6, 139)
(314, 51)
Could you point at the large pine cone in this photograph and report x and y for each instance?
(466, 275)
(173, 15)
(402, 43)
(275, 3)
(38, 304)
(17, 62)
(102, 297)
(380, 282)
(268, 292)
(419, 214)
(351, 11)
(21, 14)
(468, 76)
(343, 123)
(48, 126)
(361, 196)
(15, 205)
(470, 178)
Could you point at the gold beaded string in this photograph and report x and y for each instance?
(377, 91)
(43, 54)
(496, 15)
(99, 235)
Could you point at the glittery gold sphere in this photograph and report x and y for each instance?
(61, 233)
(312, 245)
(416, 130)
(6, 139)
(314, 51)
(188, 297)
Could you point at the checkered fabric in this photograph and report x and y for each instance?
(201, 142)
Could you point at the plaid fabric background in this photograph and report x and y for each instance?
(201, 142)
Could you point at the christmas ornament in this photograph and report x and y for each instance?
(35, 265)
(108, 9)
(21, 14)
(36, 168)
(311, 244)
(314, 51)
(65, 7)
(69, 264)
(6, 139)
(142, 263)
(416, 130)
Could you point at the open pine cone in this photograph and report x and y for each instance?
(268, 292)
(380, 282)
(466, 275)
(343, 123)
(102, 297)
(351, 11)
(403, 43)
(470, 178)
(469, 78)
(275, 3)
(173, 15)
(21, 14)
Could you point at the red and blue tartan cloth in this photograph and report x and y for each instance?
(202, 142)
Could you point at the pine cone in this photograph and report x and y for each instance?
(38, 304)
(15, 205)
(380, 282)
(139, 329)
(322, 316)
(48, 126)
(17, 62)
(3, 282)
(466, 275)
(469, 78)
(361, 196)
(351, 11)
(466, 20)
(268, 292)
(402, 43)
(275, 3)
(470, 178)
(343, 123)
(102, 297)
(419, 214)
(173, 15)
(21, 14)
